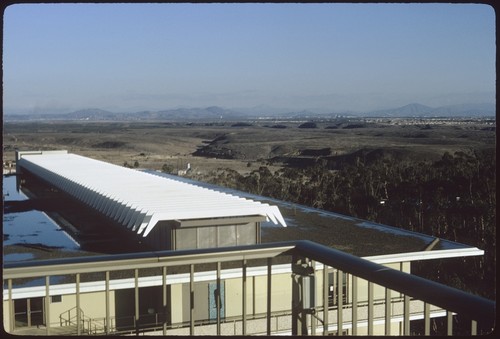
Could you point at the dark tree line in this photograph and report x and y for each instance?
(453, 198)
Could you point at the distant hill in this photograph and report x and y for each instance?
(418, 110)
(216, 113)
(95, 114)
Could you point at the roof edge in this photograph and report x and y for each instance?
(425, 255)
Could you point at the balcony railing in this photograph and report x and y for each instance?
(405, 295)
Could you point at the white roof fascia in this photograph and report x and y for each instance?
(109, 204)
(119, 207)
(169, 206)
(95, 199)
(426, 255)
(213, 213)
(144, 222)
(123, 216)
(128, 216)
(136, 220)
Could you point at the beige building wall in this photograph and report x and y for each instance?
(281, 288)
(92, 304)
(6, 316)
(178, 309)
(281, 291)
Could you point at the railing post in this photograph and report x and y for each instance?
(340, 302)
(325, 299)
(136, 300)
(28, 311)
(370, 308)
(387, 311)
(314, 320)
(218, 298)
(406, 315)
(354, 328)
(473, 327)
(296, 326)
(427, 319)
(78, 310)
(47, 305)
(244, 296)
(191, 299)
(12, 313)
(107, 303)
(269, 278)
(164, 288)
(449, 323)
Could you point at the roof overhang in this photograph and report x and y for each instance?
(218, 221)
(425, 255)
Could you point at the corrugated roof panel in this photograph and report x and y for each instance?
(136, 199)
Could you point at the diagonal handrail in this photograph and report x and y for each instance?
(70, 318)
(472, 306)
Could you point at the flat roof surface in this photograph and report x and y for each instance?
(352, 235)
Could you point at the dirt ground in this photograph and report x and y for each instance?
(243, 148)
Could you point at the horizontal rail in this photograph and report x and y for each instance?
(451, 299)
(117, 262)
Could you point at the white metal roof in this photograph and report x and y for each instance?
(135, 199)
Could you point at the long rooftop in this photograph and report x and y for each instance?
(135, 199)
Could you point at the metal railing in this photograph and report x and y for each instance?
(88, 325)
(403, 291)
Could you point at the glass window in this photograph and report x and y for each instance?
(56, 299)
(246, 234)
(226, 236)
(207, 237)
(185, 238)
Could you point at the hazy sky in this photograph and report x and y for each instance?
(336, 57)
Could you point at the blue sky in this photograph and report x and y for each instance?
(330, 57)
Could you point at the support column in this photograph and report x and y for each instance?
(191, 299)
(244, 296)
(136, 301)
(108, 318)
(78, 308)
(269, 294)
(218, 298)
(164, 298)
(12, 312)
(47, 305)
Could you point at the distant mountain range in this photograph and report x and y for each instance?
(418, 110)
(215, 113)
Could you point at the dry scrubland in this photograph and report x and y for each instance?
(246, 146)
